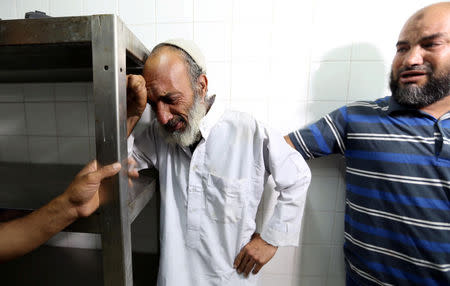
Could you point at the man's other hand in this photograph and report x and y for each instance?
(254, 255)
(136, 100)
(82, 194)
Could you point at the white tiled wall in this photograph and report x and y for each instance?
(287, 62)
(46, 123)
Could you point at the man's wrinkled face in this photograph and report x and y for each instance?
(420, 72)
(178, 107)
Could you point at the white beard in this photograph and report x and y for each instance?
(191, 134)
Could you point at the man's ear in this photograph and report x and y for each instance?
(203, 85)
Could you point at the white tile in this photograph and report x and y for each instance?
(252, 11)
(66, 8)
(59, 240)
(73, 150)
(289, 79)
(41, 119)
(328, 41)
(251, 42)
(219, 80)
(336, 280)
(170, 11)
(373, 50)
(12, 119)
(325, 166)
(43, 149)
(283, 261)
(11, 93)
(137, 11)
(8, 10)
(177, 30)
(24, 6)
(14, 149)
(285, 115)
(337, 265)
(298, 14)
(71, 91)
(93, 7)
(329, 80)
(257, 109)
(337, 238)
(318, 227)
(146, 33)
(214, 39)
(72, 119)
(268, 279)
(318, 109)
(39, 92)
(340, 200)
(368, 80)
(322, 193)
(374, 39)
(83, 240)
(312, 260)
(247, 80)
(91, 119)
(212, 10)
(312, 281)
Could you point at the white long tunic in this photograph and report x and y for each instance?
(209, 198)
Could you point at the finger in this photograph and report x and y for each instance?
(238, 259)
(249, 267)
(136, 81)
(104, 172)
(244, 262)
(258, 267)
(109, 170)
(134, 174)
(89, 168)
(131, 161)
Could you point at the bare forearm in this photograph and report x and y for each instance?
(22, 235)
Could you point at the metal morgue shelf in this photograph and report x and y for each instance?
(100, 49)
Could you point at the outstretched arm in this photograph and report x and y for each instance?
(80, 199)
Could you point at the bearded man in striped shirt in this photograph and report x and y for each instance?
(397, 152)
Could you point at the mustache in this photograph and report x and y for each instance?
(172, 123)
(426, 68)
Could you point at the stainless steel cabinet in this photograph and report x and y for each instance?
(100, 49)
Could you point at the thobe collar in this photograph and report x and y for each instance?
(211, 118)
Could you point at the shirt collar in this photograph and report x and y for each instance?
(394, 106)
(212, 117)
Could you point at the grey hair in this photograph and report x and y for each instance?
(194, 70)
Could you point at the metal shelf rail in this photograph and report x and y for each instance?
(100, 49)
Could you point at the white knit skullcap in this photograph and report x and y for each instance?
(191, 49)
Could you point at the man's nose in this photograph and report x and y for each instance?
(414, 57)
(163, 114)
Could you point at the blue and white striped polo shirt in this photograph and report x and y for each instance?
(397, 215)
